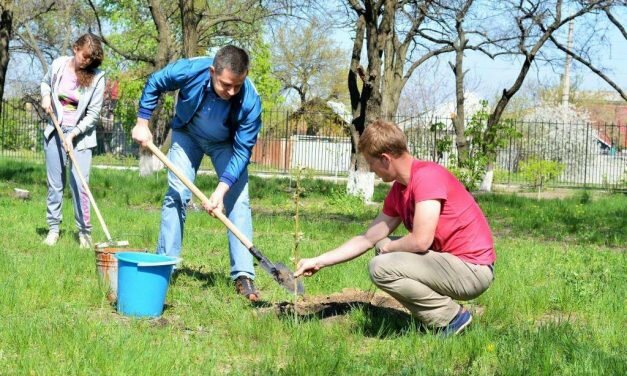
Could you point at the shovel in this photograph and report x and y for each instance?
(279, 272)
(109, 242)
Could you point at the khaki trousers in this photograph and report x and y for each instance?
(427, 283)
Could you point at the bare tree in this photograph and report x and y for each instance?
(535, 22)
(389, 29)
(457, 25)
(306, 60)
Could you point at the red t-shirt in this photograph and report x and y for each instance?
(462, 228)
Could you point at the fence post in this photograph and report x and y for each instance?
(509, 162)
(585, 164)
(435, 142)
(287, 151)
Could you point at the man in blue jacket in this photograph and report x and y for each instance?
(218, 113)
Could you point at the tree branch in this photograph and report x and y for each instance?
(32, 42)
(124, 54)
(588, 64)
(616, 22)
(423, 8)
(426, 57)
(36, 15)
(434, 40)
(356, 6)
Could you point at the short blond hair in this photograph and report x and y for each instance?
(381, 137)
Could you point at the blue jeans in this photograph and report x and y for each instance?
(186, 153)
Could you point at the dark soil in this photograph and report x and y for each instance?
(376, 304)
(327, 306)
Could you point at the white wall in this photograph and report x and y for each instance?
(328, 154)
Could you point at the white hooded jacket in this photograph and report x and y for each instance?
(89, 104)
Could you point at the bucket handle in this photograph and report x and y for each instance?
(163, 263)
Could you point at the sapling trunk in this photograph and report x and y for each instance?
(298, 235)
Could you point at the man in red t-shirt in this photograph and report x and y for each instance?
(447, 254)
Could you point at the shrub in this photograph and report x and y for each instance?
(538, 172)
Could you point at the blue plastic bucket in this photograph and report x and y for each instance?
(143, 280)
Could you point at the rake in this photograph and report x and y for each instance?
(110, 243)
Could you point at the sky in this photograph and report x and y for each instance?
(496, 74)
(489, 77)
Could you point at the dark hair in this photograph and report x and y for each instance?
(381, 137)
(93, 46)
(233, 58)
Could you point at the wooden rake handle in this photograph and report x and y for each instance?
(198, 193)
(81, 178)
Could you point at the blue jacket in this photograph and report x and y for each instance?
(192, 77)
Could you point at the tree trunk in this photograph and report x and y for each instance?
(303, 97)
(361, 184)
(358, 168)
(495, 118)
(162, 58)
(383, 80)
(376, 24)
(190, 21)
(393, 63)
(6, 29)
(148, 163)
(460, 116)
(488, 178)
(394, 83)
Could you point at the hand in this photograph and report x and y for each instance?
(307, 267)
(69, 142)
(216, 200)
(214, 204)
(382, 246)
(141, 132)
(46, 104)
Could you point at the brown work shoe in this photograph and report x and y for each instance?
(244, 286)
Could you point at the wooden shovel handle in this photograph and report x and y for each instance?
(198, 193)
(70, 153)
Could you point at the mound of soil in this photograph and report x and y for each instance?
(339, 303)
(376, 303)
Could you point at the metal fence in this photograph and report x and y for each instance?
(590, 155)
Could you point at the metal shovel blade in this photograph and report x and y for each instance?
(283, 275)
(279, 272)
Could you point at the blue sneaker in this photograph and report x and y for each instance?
(457, 325)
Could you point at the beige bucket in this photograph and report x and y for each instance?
(107, 268)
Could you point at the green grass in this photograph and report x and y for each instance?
(576, 220)
(557, 305)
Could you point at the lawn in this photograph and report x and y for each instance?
(557, 305)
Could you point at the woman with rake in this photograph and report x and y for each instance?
(72, 91)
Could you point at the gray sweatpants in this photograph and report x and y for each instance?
(56, 169)
(427, 283)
